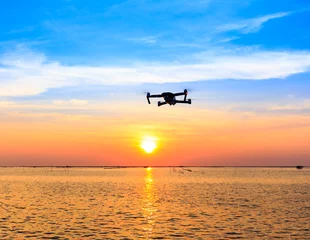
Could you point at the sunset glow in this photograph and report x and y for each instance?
(144, 119)
(148, 144)
(74, 79)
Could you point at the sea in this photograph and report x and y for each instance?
(154, 203)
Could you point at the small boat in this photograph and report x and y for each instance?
(299, 167)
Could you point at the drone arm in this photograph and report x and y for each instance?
(183, 93)
(155, 96)
(148, 96)
(179, 94)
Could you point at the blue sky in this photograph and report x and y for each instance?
(77, 72)
(119, 32)
(228, 52)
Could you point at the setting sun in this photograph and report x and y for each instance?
(148, 144)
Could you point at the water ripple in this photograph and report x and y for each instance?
(204, 203)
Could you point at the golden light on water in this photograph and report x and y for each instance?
(148, 144)
(154, 203)
(149, 208)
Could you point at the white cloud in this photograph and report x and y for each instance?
(29, 73)
(5, 104)
(78, 102)
(145, 40)
(300, 105)
(250, 25)
(145, 7)
(228, 39)
(58, 102)
(72, 102)
(22, 30)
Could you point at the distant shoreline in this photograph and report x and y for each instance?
(113, 167)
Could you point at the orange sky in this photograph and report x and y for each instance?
(74, 78)
(186, 136)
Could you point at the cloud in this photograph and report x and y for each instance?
(228, 39)
(250, 25)
(6, 104)
(72, 102)
(300, 105)
(78, 102)
(22, 30)
(145, 7)
(28, 73)
(145, 40)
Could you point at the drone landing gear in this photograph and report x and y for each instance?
(185, 94)
(161, 103)
(189, 101)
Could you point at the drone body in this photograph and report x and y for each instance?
(170, 98)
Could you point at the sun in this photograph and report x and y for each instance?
(148, 144)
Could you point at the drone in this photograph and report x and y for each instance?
(169, 98)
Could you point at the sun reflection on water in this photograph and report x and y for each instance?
(149, 208)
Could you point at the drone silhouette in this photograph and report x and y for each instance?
(169, 98)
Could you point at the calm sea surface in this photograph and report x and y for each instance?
(154, 203)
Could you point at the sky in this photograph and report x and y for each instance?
(74, 76)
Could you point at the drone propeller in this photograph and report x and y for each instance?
(142, 92)
(190, 89)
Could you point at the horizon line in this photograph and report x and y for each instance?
(146, 166)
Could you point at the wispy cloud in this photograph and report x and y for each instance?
(71, 102)
(22, 30)
(299, 105)
(142, 7)
(145, 40)
(29, 73)
(250, 25)
(228, 39)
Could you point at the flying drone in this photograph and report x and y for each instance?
(169, 98)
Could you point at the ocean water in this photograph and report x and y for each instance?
(154, 203)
